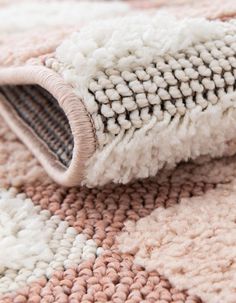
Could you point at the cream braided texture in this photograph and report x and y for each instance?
(156, 95)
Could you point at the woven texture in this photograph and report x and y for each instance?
(103, 100)
(172, 84)
(40, 111)
(148, 101)
(99, 215)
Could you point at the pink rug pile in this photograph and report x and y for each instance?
(117, 151)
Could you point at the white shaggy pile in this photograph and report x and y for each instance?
(143, 153)
(123, 44)
(24, 15)
(192, 244)
(23, 238)
(34, 244)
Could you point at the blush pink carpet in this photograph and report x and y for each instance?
(117, 151)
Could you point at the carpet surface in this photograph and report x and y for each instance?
(117, 151)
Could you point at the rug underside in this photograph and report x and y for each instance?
(40, 111)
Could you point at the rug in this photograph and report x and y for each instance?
(117, 151)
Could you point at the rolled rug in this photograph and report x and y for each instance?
(107, 92)
(120, 96)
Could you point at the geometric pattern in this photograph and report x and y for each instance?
(191, 243)
(98, 215)
(62, 244)
(34, 244)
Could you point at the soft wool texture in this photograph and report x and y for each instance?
(136, 80)
(191, 243)
(28, 15)
(210, 9)
(33, 244)
(17, 165)
(99, 215)
(123, 45)
(158, 102)
(208, 133)
(23, 24)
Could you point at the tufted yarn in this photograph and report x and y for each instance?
(194, 246)
(139, 108)
(133, 80)
(36, 254)
(171, 84)
(147, 90)
(100, 214)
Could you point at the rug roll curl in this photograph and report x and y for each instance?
(124, 98)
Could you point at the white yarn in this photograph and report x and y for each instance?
(24, 15)
(127, 42)
(135, 41)
(191, 243)
(143, 153)
(19, 233)
(33, 243)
